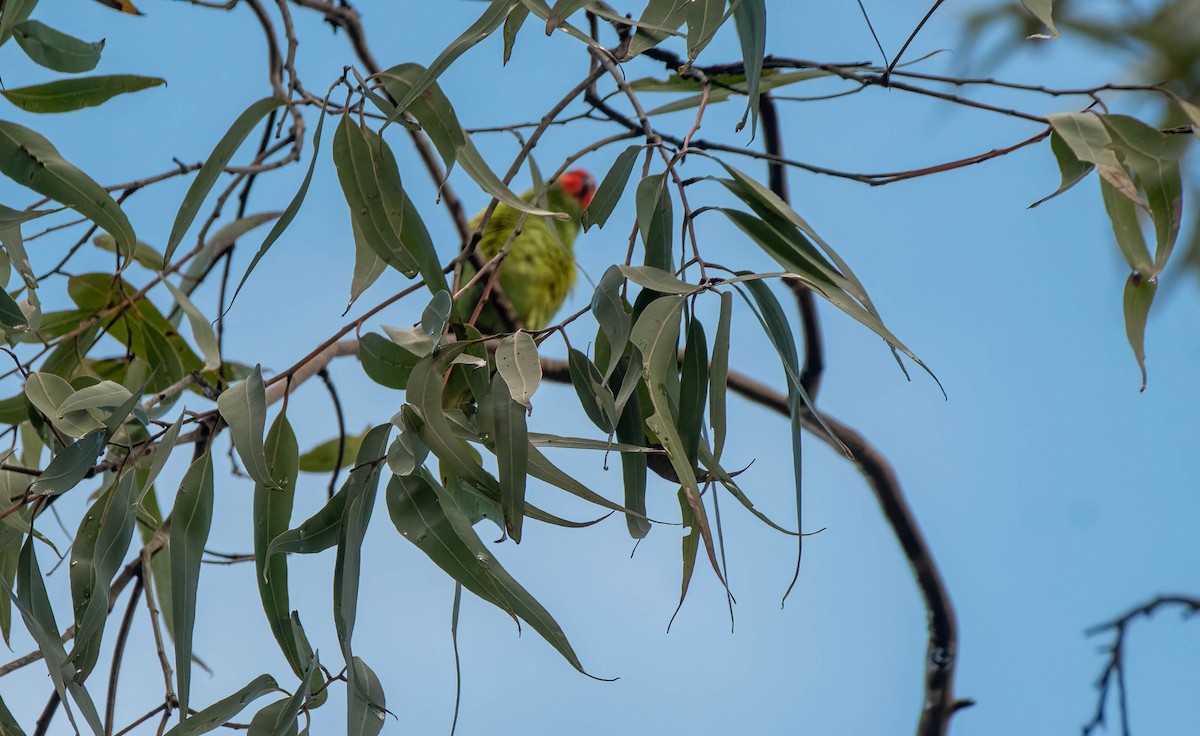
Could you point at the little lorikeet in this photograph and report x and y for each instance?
(539, 270)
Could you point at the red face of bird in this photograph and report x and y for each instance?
(579, 184)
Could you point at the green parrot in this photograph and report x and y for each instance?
(539, 270)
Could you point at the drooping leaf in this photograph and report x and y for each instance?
(656, 279)
(1073, 170)
(560, 11)
(491, 19)
(66, 95)
(512, 454)
(71, 464)
(190, 525)
(12, 319)
(429, 517)
(477, 168)
(609, 310)
(244, 408)
(323, 457)
(431, 108)
(212, 168)
(689, 545)
(693, 389)
(272, 517)
(594, 396)
(1085, 134)
(1154, 157)
(15, 13)
(376, 216)
(32, 161)
(368, 266)
(1139, 293)
(1123, 215)
(124, 6)
(611, 187)
(56, 50)
(750, 18)
(703, 17)
(366, 704)
(719, 375)
(660, 19)
(360, 490)
(275, 719)
(385, 362)
(220, 712)
(96, 556)
(512, 26)
(8, 724)
(289, 212)
(33, 602)
(654, 219)
(1043, 10)
(202, 330)
(517, 360)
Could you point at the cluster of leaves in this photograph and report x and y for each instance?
(655, 386)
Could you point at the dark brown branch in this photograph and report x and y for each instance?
(1113, 676)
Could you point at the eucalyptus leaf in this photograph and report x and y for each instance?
(66, 95)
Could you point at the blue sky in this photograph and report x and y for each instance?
(1054, 494)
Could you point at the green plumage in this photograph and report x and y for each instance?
(539, 270)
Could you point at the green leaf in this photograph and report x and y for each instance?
(289, 213)
(472, 162)
(660, 19)
(425, 392)
(385, 362)
(704, 18)
(512, 454)
(212, 717)
(1042, 10)
(212, 168)
(376, 210)
(317, 533)
(719, 375)
(1154, 157)
(244, 409)
(55, 49)
(517, 360)
(202, 330)
(218, 243)
(34, 604)
(1073, 170)
(1139, 293)
(323, 457)
(730, 86)
(431, 108)
(32, 161)
(1086, 136)
(360, 491)
(8, 724)
(609, 310)
(491, 19)
(162, 453)
(96, 555)
(512, 26)
(366, 705)
(275, 719)
(190, 525)
(1123, 215)
(11, 317)
(272, 516)
(71, 464)
(654, 220)
(689, 546)
(594, 396)
(429, 517)
(693, 389)
(611, 187)
(657, 279)
(562, 10)
(750, 18)
(144, 254)
(775, 324)
(15, 12)
(66, 95)
(367, 265)
(633, 465)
